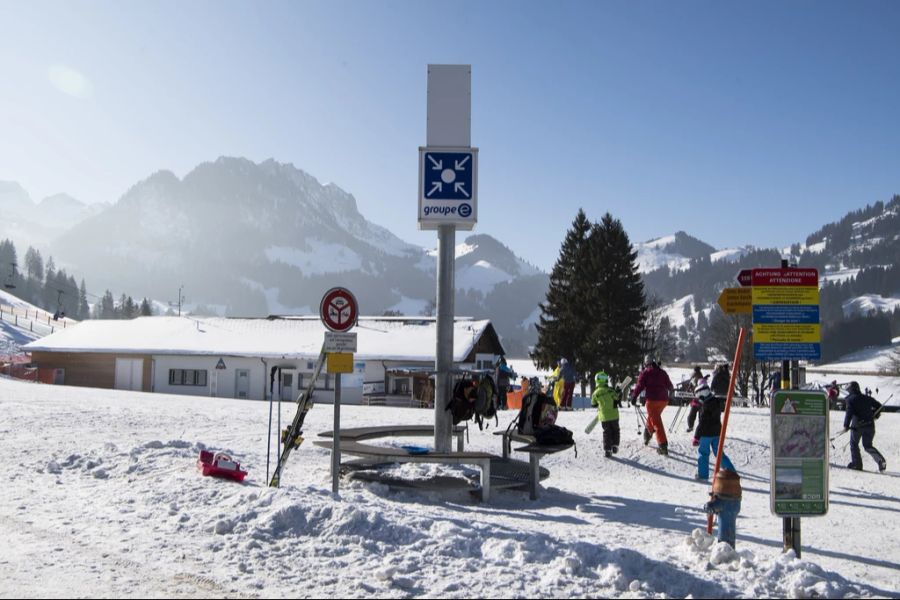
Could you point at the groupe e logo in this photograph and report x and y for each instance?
(463, 210)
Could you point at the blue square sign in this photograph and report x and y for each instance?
(448, 176)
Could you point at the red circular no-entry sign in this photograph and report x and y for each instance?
(339, 310)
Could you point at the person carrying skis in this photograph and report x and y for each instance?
(859, 419)
(708, 429)
(606, 399)
(655, 382)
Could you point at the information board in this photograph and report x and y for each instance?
(799, 471)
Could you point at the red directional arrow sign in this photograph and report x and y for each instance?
(339, 310)
(745, 277)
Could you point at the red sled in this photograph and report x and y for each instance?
(220, 465)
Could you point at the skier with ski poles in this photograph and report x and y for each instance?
(655, 382)
(859, 419)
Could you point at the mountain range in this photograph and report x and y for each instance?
(251, 239)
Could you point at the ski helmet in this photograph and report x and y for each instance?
(601, 378)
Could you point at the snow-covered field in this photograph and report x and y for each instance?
(102, 498)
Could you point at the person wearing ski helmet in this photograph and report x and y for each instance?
(606, 399)
(656, 385)
(859, 419)
(708, 430)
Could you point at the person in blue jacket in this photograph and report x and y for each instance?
(859, 419)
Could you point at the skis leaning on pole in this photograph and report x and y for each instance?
(292, 436)
(622, 388)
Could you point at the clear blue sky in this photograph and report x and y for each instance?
(738, 122)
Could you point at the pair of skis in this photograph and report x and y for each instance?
(292, 436)
(623, 389)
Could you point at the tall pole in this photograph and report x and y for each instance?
(449, 126)
(790, 527)
(444, 350)
(336, 448)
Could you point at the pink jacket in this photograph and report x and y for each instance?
(655, 381)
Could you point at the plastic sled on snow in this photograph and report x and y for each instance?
(220, 464)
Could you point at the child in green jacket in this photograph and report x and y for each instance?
(606, 399)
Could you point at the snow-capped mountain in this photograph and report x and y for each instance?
(266, 238)
(27, 223)
(676, 252)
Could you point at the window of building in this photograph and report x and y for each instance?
(193, 377)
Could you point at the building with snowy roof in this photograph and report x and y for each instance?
(235, 357)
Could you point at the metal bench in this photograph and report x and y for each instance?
(398, 455)
(357, 434)
(535, 454)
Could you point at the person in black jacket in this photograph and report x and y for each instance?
(709, 426)
(859, 419)
(720, 381)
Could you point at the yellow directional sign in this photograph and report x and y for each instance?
(340, 362)
(736, 300)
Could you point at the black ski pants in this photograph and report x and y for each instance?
(866, 434)
(610, 434)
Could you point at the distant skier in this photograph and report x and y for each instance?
(720, 380)
(696, 378)
(503, 374)
(568, 375)
(655, 382)
(862, 410)
(606, 400)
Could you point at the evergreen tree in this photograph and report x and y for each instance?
(616, 302)
(562, 330)
(146, 309)
(84, 309)
(107, 305)
(34, 264)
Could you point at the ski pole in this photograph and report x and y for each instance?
(677, 419)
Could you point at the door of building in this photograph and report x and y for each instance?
(130, 374)
(242, 383)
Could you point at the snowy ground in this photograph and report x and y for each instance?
(102, 499)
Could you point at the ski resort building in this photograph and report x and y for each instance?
(257, 358)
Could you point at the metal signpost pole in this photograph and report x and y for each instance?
(447, 201)
(444, 350)
(336, 453)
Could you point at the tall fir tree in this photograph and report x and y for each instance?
(560, 327)
(617, 301)
(84, 309)
(146, 309)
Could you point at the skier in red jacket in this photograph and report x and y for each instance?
(656, 384)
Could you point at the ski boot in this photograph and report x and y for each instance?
(647, 436)
(615, 449)
(607, 453)
(663, 449)
(882, 466)
(855, 467)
